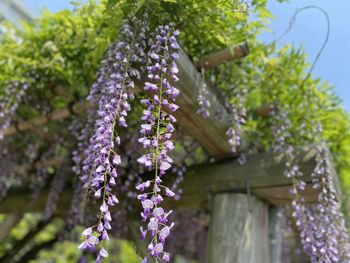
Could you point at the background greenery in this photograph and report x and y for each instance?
(59, 55)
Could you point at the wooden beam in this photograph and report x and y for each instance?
(238, 230)
(223, 56)
(279, 195)
(55, 115)
(209, 132)
(264, 110)
(263, 173)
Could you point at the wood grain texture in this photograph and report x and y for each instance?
(264, 172)
(209, 132)
(55, 115)
(238, 230)
(275, 234)
(223, 56)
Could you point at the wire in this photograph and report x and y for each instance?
(319, 53)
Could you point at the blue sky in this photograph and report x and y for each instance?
(52, 5)
(309, 30)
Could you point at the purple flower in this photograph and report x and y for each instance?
(321, 226)
(158, 212)
(238, 115)
(90, 242)
(103, 253)
(164, 166)
(152, 225)
(103, 207)
(9, 101)
(203, 101)
(166, 257)
(169, 193)
(87, 232)
(112, 94)
(147, 204)
(156, 119)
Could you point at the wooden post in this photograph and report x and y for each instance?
(238, 229)
(276, 234)
(265, 172)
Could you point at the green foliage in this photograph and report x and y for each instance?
(121, 251)
(62, 252)
(128, 254)
(59, 55)
(66, 251)
(28, 222)
(65, 50)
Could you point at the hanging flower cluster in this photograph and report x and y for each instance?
(203, 100)
(112, 90)
(6, 168)
(325, 236)
(321, 227)
(238, 112)
(280, 128)
(9, 102)
(82, 134)
(156, 133)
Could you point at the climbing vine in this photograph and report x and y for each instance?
(112, 66)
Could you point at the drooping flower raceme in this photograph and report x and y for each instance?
(203, 100)
(280, 128)
(331, 241)
(238, 119)
(112, 91)
(9, 102)
(156, 131)
(321, 226)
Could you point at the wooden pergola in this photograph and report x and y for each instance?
(242, 199)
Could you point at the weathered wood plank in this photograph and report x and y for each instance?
(279, 195)
(238, 230)
(276, 234)
(55, 115)
(209, 132)
(264, 172)
(223, 56)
